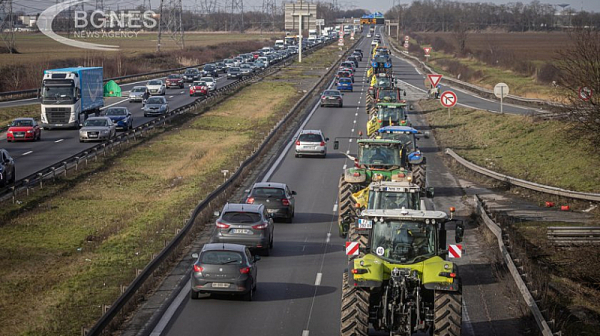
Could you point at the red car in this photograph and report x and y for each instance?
(175, 80)
(199, 88)
(23, 129)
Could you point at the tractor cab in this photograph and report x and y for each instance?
(388, 114)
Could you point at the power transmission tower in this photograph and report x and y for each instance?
(147, 4)
(269, 7)
(236, 16)
(170, 19)
(100, 5)
(7, 28)
(208, 6)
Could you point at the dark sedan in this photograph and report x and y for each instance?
(7, 168)
(226, 269)
(234, 72)
(332, 98)
(210, 70)
(191, 75)
(276, 197)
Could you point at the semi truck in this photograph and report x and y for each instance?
(69, 95)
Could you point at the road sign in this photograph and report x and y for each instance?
(406, 45)
(434, 79)
(351, 248)
(454, 251)
(406, 38)
(448, 99)
(341, 41)
(501, 90)
(585, 93)
(427, 50)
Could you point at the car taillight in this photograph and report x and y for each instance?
(245, 270)
(297, 142)
(222, 225)
(260, 226)
(285, 201)
(250, 200)
(198, 268)
(322, 143)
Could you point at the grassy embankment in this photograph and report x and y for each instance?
(67, 248)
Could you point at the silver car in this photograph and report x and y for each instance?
(156, 87)
(137, 94)
(155, 106)
(210, 82)
(97, 129)
(311, 142)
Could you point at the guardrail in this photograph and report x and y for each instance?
(117, 312)
(573, 235)
(523, 183)
(482, 92)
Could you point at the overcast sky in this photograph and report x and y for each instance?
(35, 6)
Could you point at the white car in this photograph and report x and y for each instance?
(156, 87)
(369, 35)
(229, 63)
(210, 82)
(311, 142)
(374, 42)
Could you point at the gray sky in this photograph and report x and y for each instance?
(35, 6)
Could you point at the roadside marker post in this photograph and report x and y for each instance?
(501, 91)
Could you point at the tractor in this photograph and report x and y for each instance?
(386, 95)
(388, 114)
(403, 284)
(381, 80)
(381, 64)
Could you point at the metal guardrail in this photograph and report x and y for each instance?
(523, 183)
(573, 235)
(203, 211)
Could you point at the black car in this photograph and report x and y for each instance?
(234, 72)
(210, 70)
(332, 98)
(220, 67)
(353, 59)
(359, 51)
(191, 75)
(224, 269)
(276, 197)
(7, 168)
(245, 224)
(357, 55)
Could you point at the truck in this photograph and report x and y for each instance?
(291, 40)
(69, 95)
(279, 44)
(312, 33)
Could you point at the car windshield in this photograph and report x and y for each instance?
(173, 76)
(154, 83)
(393, 200)
(234, 69)
(268, 192)
(347, 64)
(139, 89)
(345, 80)
(154, 100)
(21, 123)
(344, 74)
(332, 93)
(207, 79)
(379, 155)
(58, 92)
(394, 114)
(383, 82)
(221, 258)
(191, 71)
(95, 122)
(241, 217)
(199, 84)
(403, 242)
(209, 67)
(116, 112)
(310, 138)
(389, 94)
(228, 61)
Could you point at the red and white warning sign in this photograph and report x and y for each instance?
(585, 93)
(351, 248)
(448, 99)
(406, 45)
(454, 251)
(427, 50)
(434, 79)
(406, 38)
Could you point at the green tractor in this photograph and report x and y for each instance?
(385, 95)
(387, 114)
(403, 284)
(377, 160)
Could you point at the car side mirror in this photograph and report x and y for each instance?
(336, 145)
(326, 139)
(459, 232)
(256, 258)
(195, 255)
(294, 193)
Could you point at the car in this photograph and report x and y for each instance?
(332, 97)
(348, 64)
(345, 84)
(246, 70)
(191, 75)
(234, 72)
(374, 42)
(264, 59)
(224, 269)
(98, 129)
(199, 88)
(229, 63)
(137, 94)
(210, 82)
(359, 51)
(354, 60)
(276, 197)
(250, 225)
(345, 74)
(260, 64)
(369, 35)
(210, 70)
(120, 116)
(358, 55)
(23, 129)
(7, 168)
(155, 106)
(156, 87)
(311, 142)
(174, 80)
(220, 67)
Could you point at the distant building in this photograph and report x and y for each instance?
(28, 20)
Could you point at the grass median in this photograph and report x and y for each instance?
(542, 151)
(67, 249)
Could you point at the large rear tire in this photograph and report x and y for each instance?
(345, 206)
(419, 177)
(447, 314)
(355, 310)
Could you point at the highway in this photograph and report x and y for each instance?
(299, 285)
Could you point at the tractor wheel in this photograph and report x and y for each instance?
(419, 175)
(345, 205)
(362, 240)
(355, 310)
(447, 313)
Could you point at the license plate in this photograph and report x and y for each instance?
(92, 135)
(271, 210)
(243, 231)
(220, 285)
(310, 147)
(19, 135)
(365, 224)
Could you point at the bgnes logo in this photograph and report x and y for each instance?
(96, 20)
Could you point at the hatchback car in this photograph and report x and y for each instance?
(156, 87)
(210, 82)
(23, 129)
(345, 84)
(332, 98)
(311, 142)
(276, 197)
(234, 72)
(120, 116)
(199, 88)
(136, 94)
(246, 70)
(224, 269)
(97, 129)
(155, 106)
(210, 70)
(245, 224)
(191, 75)
(175, 80)
(7, 168)
(348, 64)
(354, 60)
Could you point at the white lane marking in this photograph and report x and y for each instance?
(356, 114)
(352, 130)
(328, 237)
(318, 279)
(119, 102)
(171, 97)
(348, 151)
(344, 167)
(305, 332)
(59, 140)
(467, 320)
(335, 206)
(164, 320)
(355, 121)
(27, 153)
(349, 140)
(181, 92)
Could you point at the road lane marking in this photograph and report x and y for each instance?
(343, 168)
(349, 140)
(355, 121)
(328, 237)
(119, 102)
(59, 140)
(348, 151)
(318, 279)
(305, 332)
(27, 153)
(335, 206)
(352, 130)
(166, 318)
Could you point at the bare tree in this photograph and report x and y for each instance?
(460, 32)
(580, 68)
